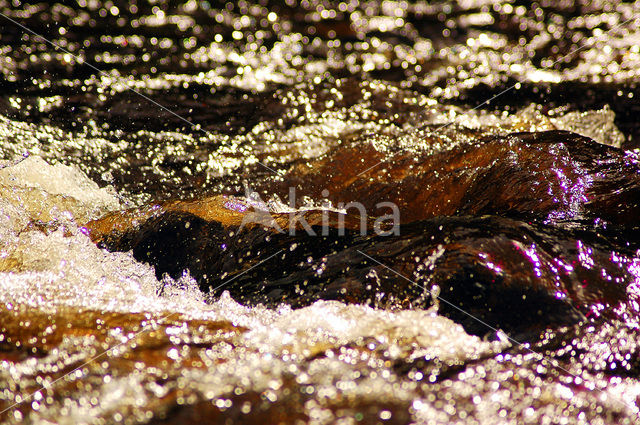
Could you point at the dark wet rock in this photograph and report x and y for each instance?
(519, 232)
(553, 176)
(511, 274)
(563, 261)
(506, 273)
(217, 239)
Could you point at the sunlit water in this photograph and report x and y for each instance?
(91, 336)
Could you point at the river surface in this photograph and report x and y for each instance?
(506, 132)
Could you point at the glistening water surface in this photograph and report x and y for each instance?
(136, 138)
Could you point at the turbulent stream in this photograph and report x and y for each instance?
(319, 212)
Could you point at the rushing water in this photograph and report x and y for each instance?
(506, 133)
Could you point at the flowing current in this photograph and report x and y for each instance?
(506, 132)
